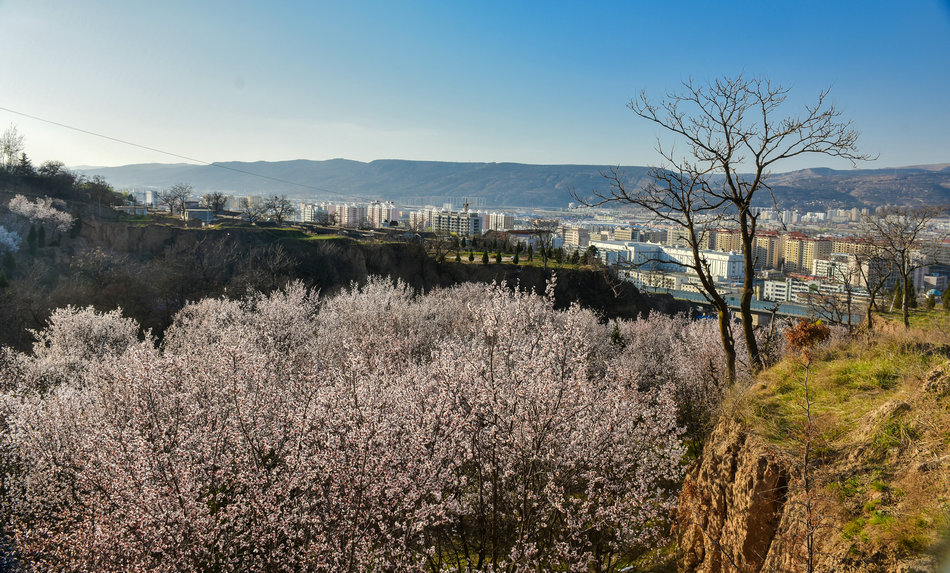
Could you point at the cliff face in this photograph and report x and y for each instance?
(742, 509)
(732, 503)
(879, 472)
(332, 264)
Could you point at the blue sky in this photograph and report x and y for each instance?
(531, 82)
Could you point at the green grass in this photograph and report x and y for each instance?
(871, 505)
(880, 518)
(854, 529)
(894, 433)
(879, 486)
(869, 459)
(325, 237)
(920, 318)
(845, 384)
(848, 488)
(869, 374)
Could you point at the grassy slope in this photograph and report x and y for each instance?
(883, 439)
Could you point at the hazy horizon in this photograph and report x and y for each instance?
(873, 165)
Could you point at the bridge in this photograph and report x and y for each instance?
(762, 310)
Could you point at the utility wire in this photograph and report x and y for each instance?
(179, 156)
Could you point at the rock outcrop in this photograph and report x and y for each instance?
(335, 263)
(875, 500)
(732, 504)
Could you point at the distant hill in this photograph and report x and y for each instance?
(865, 187)
(512, 184)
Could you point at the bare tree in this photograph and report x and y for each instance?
(897, 233)
(440, 244)
(165, 198)
(676, 197)
(214, 201)
(544, 231)
(805, 337)
(251, 211)
(11, 147)
(278, 208)
(415, 224)
(874, 271)
(735, 131)
(839, 307)
(267, 269)
(178, 195)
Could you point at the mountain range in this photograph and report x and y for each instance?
(511, 184)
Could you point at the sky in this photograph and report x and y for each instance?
(528, 82)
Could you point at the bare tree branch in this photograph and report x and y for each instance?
(735, 130)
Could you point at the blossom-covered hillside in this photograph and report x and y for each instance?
(376, 430)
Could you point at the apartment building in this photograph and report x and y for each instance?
(651, 256)
(378, 213)
(577, 237)
(768, 250)
(841, 267)
(626, 234)
(500, 222)
(350, 214)
(852, 246)
(727, 240)
(801, 252)
(463, 224)
(804, 291)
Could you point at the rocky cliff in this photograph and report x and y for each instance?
(732, 503)
(878, 499)
(330, 264)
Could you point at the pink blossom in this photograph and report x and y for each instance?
(375, 430)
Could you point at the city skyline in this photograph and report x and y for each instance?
(527, 83)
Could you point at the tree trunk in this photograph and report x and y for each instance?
(848, 307)
(728, 343)
(745, 302)
(905, 308)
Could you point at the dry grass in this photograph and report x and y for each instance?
(883, 441)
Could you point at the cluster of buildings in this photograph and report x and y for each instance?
(380, 214)
(364, 215)
(791, 266)
(375, 215)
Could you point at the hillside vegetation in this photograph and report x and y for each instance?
(878, 497)
(373, 430)
(152, 267)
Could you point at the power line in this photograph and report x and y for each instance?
(179, 156)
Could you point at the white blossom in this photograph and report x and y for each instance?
(375, 430)
(43, 210)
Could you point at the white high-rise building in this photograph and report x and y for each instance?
(379, 212)
(464, 224)
(500, 222)
(351, 215)
(312, 213)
